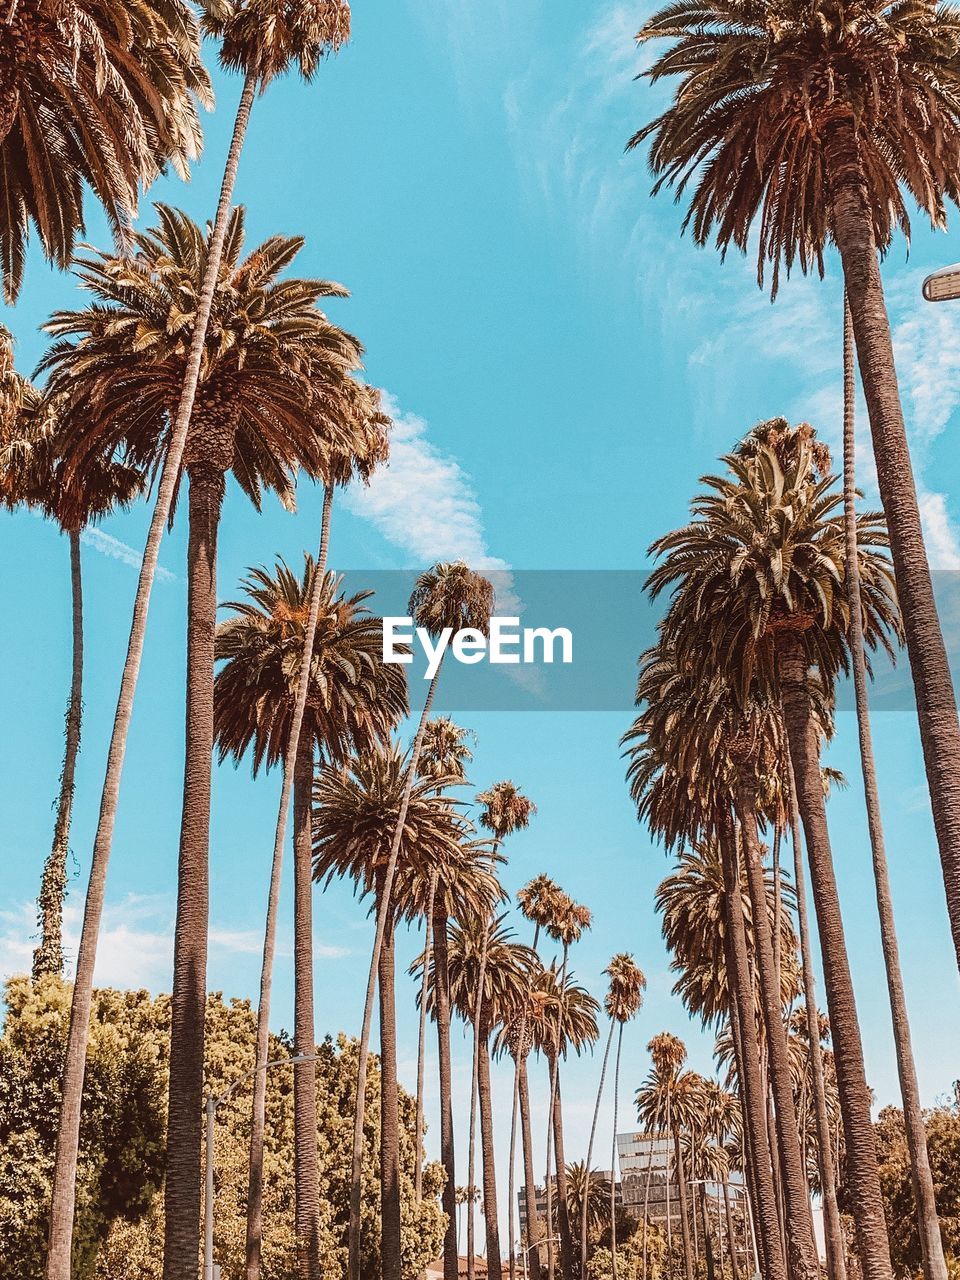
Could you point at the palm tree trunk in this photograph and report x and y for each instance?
(749, 1137)
(441, 986)
(422, 1040)
(511, 1175)
(384, 907)
(48, 957)
(474, 1088)
(63, 1192)
(551, 1103)
(833, 1231)
(731, 1234)
(613, 1158)
(389, 1115)
(654, 1138)
(258, 1114)
(798, 1220)
(529, 1180)
(765, 1205)
(852, 226)
(491, 1225)
(928, 1223)
(513, 1137)
(707, 1236)
(563, 1207)
(587, 1166)
(306, 1176)
(682, 1197)
(864, 1183)
(188, 1002)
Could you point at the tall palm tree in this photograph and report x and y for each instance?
(763, 559)
(354, 701)
(537, 901)
(566, 926)
(357, 409)
(504, 809)
(666, 1092)
(445, 753)
(33, 476)
(262, 38)
(98, 93)
(628, 1006)
(464, 887)
(359, 809)
(812, 119)
(622, 1002)
(571, 1024)
(447, 595)
(928, 1223)
(680, 783)
(489, 976)
(259, 415)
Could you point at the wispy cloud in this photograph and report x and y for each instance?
(110, 546)
(423, 501)
(135, 947)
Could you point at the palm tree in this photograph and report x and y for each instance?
(258, 414)
(504, 810)
(566, 926)
(681, 786)
(928, 1223)
(587, 1196)
(33, 476)
(622, 1002)
(489, 975)
(465, 887)
(537, 901)
(812, 118)
(98, 93)
(448, 595)
(445, 753)
(666, 1093)
(763, 559)
(354, 700)
(359, 809)
(364, 426)
(568, 1021)
(262, 38)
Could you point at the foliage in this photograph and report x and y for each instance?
(629, 1253)
(99, 93)
(121, 1134)
(943, 1144)
(120, 1223)
(765, 93)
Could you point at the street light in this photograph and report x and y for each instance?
(210, 1109)
(943, 285)
(536, 1245)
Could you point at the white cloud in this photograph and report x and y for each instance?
(135, 947)
(110, 546)
(423, 501)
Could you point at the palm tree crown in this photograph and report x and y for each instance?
(120, 362)
(263, 38)
(763, 84)
(96, 93)
(354, 699)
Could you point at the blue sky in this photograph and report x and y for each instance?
(562, 367)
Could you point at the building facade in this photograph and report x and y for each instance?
(647, 1176)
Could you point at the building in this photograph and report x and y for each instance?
(602, 1175)
(647, 1158)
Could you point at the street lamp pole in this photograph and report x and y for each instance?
(210, 1111)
